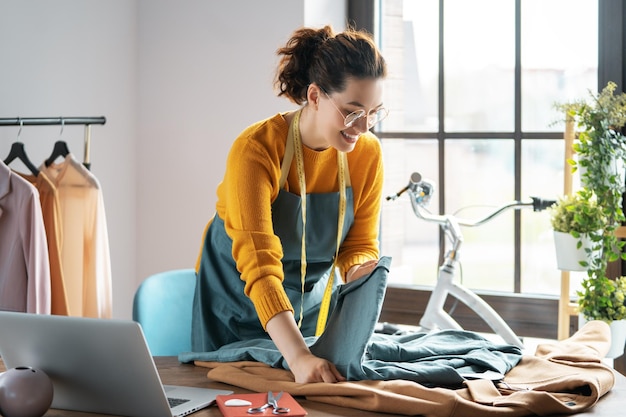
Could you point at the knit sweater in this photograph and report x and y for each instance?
(251, 184)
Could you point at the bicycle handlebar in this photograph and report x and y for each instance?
(536, 203)
(422, 190)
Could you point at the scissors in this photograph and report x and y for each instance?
(272, 401)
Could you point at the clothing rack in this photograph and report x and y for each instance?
(50, 121)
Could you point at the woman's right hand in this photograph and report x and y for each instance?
(305, 366)
(310, 368)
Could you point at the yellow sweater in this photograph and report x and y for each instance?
(250, 185)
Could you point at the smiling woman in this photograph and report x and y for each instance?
(299, 200)
(373, 116)
(352, 118)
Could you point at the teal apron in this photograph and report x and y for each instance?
(223, 314)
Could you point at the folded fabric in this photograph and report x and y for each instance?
(564, 377)
(432, 359)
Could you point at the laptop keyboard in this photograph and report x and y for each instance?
(176, 401)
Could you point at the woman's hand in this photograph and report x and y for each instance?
(362, 270)
(305, 366)
(310, 368)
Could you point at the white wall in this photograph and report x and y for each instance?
(79, 58)
(176, 79)
(206, 73)
(318, 13)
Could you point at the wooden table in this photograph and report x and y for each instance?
(172, 372)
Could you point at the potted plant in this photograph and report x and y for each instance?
(602, 298)
(601, 150)
(578, 223)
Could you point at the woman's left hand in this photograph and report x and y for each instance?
(362, 270)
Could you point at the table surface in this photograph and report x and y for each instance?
(174, 373)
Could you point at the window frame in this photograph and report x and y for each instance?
(524, 313)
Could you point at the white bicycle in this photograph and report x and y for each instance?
(435, 317)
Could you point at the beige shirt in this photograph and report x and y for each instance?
(24, 267)
(84, 250)
(51, 210)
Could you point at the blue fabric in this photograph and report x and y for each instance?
(223, 314)
(432, 359)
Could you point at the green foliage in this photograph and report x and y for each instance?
(601, 149)
(606, 110)
(580, 215)
(577, 214)
(603, 299)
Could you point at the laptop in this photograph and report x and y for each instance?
(96, 365)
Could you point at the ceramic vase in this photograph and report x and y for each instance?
(618, 339)
(616, 167)
(568, 256)
(25, 392)
(618, 336)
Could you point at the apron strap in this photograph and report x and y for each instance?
(293, 146)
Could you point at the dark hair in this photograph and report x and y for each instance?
(327, 59)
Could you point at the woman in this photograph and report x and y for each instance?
(270, 250)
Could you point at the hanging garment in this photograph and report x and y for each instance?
(24, 265)
(51, 210)
(85, 255)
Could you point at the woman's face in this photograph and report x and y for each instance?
(359, 94)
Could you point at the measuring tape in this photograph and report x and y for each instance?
(294, 145)
(328, 291)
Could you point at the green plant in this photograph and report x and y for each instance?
(577, 214)
(601, 150)
(603, 299)
(580, 216)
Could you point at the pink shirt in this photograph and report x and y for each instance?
(24, 263)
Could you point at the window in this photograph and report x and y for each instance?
(471, 91)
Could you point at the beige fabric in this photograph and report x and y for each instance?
(51, 210)
(24, 267)
(85, 244)
(562, 378)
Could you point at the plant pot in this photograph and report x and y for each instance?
(618, 336)
(618, 339)
(616, 167)
(568, 257)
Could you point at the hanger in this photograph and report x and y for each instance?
(60, 147)
(18, 152)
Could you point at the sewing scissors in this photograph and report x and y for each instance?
(272, 401)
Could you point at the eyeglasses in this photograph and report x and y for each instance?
(355, 116)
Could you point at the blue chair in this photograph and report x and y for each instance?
(162, 306)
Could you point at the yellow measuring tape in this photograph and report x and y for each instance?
(328, 291)
(294, 145)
